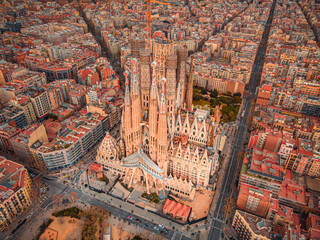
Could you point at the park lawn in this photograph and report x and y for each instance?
(201, 102)
(104, 179)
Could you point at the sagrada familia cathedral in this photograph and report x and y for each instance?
(165, 145)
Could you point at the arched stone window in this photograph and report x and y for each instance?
(178, 169)
(186, 171)
(170, 166)
(194, 173)
(203, 173)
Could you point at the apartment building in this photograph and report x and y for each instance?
(55, 95)
(250, 227)
(22, 141)
(254, 200)
(25, 104)
(78, 95)
(77, 136)
(15, 193)
(14, 115)
(40, 102)
(6, 132)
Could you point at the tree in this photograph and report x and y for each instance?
(214, 93)
(237, 94)
(196, 97)
(104, 179)
(236, 99)
(228, 206)
(225, 99)
(215, 102)
(136, 237)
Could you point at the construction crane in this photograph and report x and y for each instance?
(148, 18)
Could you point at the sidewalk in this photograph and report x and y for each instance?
(152, 217)
(131, 228)
(228, 147)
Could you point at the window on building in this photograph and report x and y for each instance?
(252, 203)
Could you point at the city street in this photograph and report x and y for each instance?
(234, 165)
(227, 150)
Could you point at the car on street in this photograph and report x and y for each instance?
(148, 225)
(138, 220)
(129, 217)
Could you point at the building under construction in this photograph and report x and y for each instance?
(165, 144)
(170, 63)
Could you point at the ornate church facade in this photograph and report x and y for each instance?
(165, 144)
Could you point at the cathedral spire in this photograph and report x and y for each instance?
(127, 117)
(178, 97)
(163, 97)
(153, 94)
(134, 77)
(162, 130)
(153, 115)
(136, 108)
(153, 65)
(127, 93)
(190, 87)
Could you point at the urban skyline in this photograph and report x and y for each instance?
(153, 119)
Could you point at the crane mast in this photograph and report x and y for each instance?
(148, 18)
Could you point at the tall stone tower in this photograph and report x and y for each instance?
(153, 116)
(127, 118)
(182, 54)
(145, 60)
(136, 106)
(162, 130)
(171, 84)
(190, 87)
(160, 51)
(136, 45)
